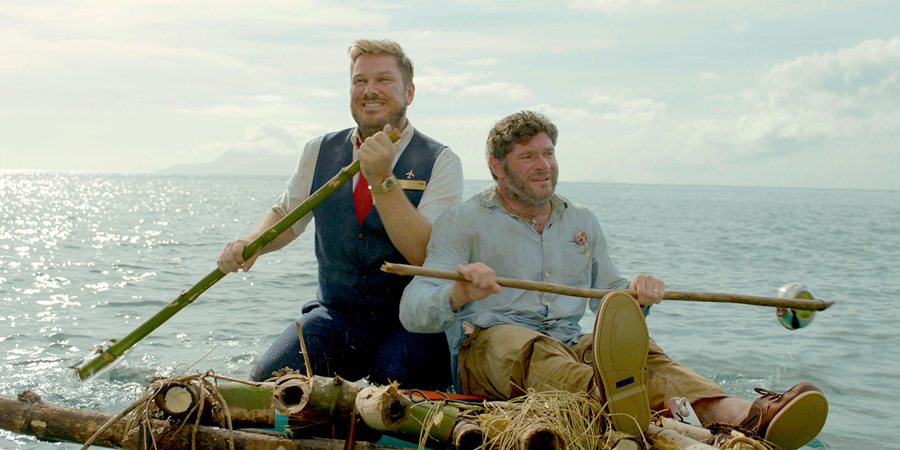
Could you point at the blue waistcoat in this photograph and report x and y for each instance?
(350, 255)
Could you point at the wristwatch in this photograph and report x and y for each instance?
(387, 185)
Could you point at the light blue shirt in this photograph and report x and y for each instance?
(571, 251)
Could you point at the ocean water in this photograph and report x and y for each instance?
(89, 257)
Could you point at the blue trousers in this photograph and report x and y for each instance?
(337, 343)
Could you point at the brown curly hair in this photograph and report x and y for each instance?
(516, 128)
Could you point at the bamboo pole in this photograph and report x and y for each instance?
(249, 406)
(434, 418)
(187, 297)
(382, 408)
(317, 399)
(521, 431)
(795, 303)
(468, 435)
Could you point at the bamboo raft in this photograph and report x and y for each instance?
(210, 411)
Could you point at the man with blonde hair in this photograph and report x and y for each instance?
(352, 328)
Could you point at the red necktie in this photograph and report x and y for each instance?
(362, 199)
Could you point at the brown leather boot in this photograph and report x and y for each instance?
(789, 420)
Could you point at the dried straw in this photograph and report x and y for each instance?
(144, 409)
(576, 418)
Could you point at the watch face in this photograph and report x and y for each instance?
(386, 186)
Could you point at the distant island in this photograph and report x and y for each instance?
(243, 163)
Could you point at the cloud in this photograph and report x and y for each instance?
(283, 137)
(432, 79)
(846, 66)
(313, 92)
(480, 62)
(849, 94)
(26, 54)
(741, 27)
(140, 39)
(565, 114)
(614, 7)
(260, 106)
(498, 91)
(140, 17)
(287, 135)
(630, 111)
(463, 86)
(467, 46)
(707, 77)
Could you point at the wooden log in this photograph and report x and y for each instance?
(29, 415)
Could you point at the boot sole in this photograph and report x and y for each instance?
(798, 422)
(621, 343)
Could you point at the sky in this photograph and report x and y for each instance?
(800, 93)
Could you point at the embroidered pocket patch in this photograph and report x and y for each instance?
(580, 238)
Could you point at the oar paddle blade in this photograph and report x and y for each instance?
(790, 318)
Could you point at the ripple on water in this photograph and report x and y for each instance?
(62, 291)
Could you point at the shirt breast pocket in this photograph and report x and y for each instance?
(577, 265)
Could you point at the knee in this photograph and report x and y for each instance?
(259, 373)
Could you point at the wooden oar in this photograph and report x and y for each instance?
(187, 297)
(794, 303)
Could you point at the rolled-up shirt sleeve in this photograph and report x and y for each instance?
(444, 188)
(299, 185)
(604, 274)
(425, 305)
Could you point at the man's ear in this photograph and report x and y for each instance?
(496, 167)
(410, 93)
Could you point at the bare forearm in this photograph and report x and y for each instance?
(406, 227)
(232, 258)
(268, 219)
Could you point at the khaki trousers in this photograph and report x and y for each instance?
(505, 361)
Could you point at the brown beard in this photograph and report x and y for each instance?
(370, 128)
(517, 188)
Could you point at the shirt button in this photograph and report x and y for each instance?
(360, 236)
(546, 274)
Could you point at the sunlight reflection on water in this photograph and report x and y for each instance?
(88, 257)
